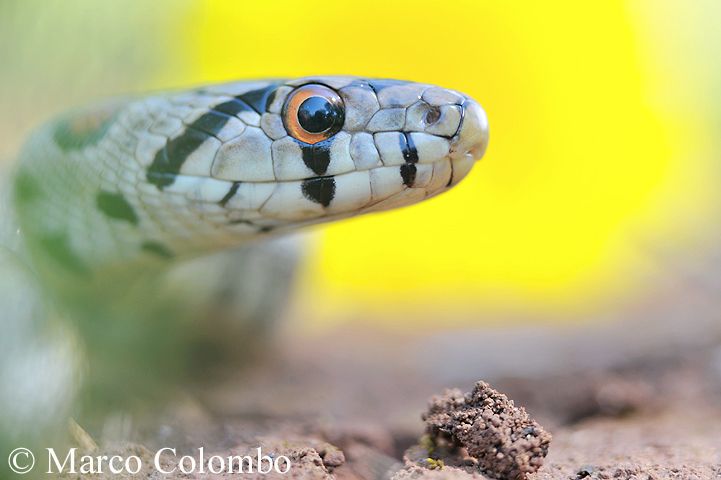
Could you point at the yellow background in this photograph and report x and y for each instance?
(601, 117)
(586, 163)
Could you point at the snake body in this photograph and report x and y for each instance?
(105, 195)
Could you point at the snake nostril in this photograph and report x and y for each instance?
(432, 115)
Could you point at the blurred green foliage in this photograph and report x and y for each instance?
(55, 54)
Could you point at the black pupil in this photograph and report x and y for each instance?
(316, 115)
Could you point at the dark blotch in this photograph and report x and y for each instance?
(408, 148)
(57, 247)
(270, 99)
(157, 248)
(169, 159)
(232, 107)
(211, 123)
(181, 147)
(27, 188)
(114, 205)
(230, 194)
(77, 132)
(408, 174)
(259, 99)
(319, 190)
(317, 156)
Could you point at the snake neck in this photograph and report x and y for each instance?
(89, 221)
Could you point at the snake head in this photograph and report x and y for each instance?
(396, 142)
(190, 172)
(316, 149)
(278, 155)
(342, 146)
(215, 166)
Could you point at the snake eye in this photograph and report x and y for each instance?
(313, 113)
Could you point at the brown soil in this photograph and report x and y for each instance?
(348, 405)
(483, 431)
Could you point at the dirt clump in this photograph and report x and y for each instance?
(481, 431)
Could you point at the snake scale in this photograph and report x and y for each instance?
(104, 200)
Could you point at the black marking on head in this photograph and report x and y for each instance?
(161, 179)
(180, 148)
(157, 248)
(161, 172)
(271, 98)
(408, 147)
(57, 247)
(169, 160)
(265, 229)
(408, 174)
(319, 190)
(259, 99)
(114, 205)
(378, 85)
(211, 123)
(27, 188)
(80, 131)
(317, 156)
(230, 194)
(232, 107)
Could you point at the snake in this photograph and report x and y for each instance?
(105, 200)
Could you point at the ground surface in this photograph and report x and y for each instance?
(348, 404)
